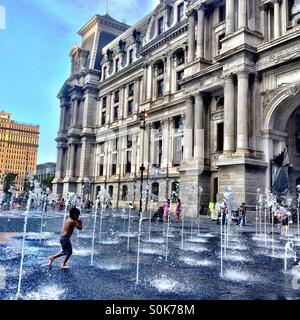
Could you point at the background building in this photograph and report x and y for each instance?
(220, 83)
(18, 148)
(45, 170)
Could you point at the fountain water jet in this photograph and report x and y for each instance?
(23, 242)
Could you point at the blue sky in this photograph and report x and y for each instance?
(34, 56)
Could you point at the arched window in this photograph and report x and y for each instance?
(111, 191)
(124, 193)
(98, 189)
(154, 191)
(159, 67)
(294, 12)
(179, 55)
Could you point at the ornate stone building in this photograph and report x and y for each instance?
(18, 149)
(220, 84)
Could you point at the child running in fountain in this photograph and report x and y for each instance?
(66, 245)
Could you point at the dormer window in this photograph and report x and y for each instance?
(117, 65)
(160, 25)
(130, 56)
(180, 12)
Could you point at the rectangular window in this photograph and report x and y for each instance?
(220, 137)
(103, 118)
(117, 96)
(157, 153)
(101, 166)
(180, 12)
(160, 88)
(178, 124)
(129, 141)
(116, 113)
(220, 38)
(222, 13)
(104, 102)
(130, 56)
(160, 25)
(114, 164)
(115, 144)
(180, 75)
(130, 108)
(131, 90)
(128, 162)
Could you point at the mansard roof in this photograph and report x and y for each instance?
(105, 20)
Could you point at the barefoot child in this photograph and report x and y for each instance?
(71, 223)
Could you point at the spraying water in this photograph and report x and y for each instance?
(23, 242)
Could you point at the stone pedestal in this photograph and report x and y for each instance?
(245, 176)
(57, 187)
(190, 182)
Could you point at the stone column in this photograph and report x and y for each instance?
(242, 112)
(284, 7)
(68, 162)
(133, 154)
(149, 82)
(108, 108)
(137, 97)
(173, 74)
(200, 38)
(59, 165)
(199, 127)
(276, 19)
(165, 143)
(122, 104)
(72, 160)
(106, 157)
(242, 23)
(62, 117)
(264, 21)
(75, 111)
(229, 17)
(191, 39)
(168, 74)
(188, 130)
(145, 78)
(85, 158)
(229, 112)
(171, 142)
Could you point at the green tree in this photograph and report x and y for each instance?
(9, 180)
(47, 183)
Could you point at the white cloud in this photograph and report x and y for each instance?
(2, 18)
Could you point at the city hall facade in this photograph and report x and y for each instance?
(205, 94)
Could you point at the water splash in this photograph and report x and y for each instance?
(52, 292)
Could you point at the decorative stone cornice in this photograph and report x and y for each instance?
(105, 21)
(172, 33)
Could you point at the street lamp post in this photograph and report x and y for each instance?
(142, 167)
